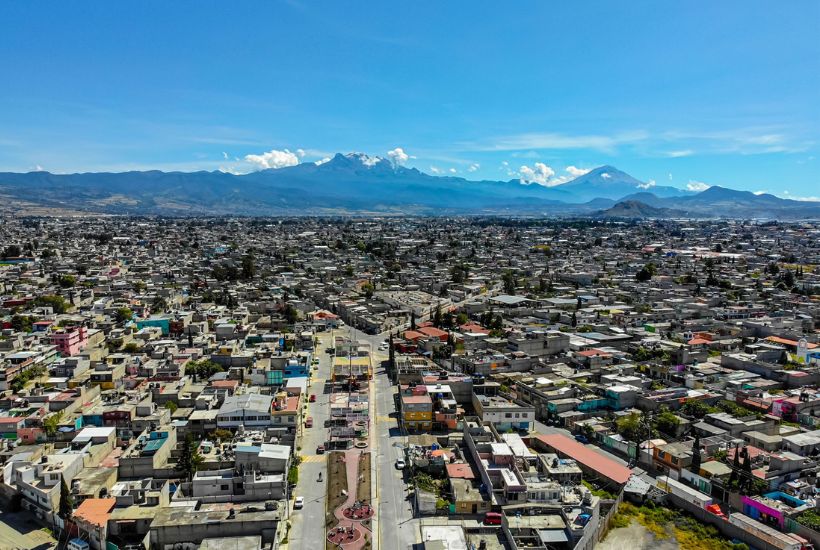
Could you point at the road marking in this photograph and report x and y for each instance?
(312, 458)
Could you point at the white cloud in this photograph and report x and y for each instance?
(273, 159)
(473, 167)
(539, 173)
(575, 172)
(697, 186)
(670, 176)
(322, 161)
(300, 153)
(648, 185)
(788, 195)
(452, 170)
(680, 153)
(224, 155)
(397, 156)
(606, 175)
(538, 141)
(762, 192)
(436, 170)
(38, 168)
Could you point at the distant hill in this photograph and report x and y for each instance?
(356, 183)
(637, 209)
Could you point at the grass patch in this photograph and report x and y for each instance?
(665, 523)
(600, 493)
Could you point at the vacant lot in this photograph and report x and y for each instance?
(19, 530)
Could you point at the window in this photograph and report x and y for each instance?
(223, 487)
(507, 415)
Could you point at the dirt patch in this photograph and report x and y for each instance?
(336, 483)
(635, 537)
(363, 485)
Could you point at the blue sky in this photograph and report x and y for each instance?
(680, 93)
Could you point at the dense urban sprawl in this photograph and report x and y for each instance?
(387, 382)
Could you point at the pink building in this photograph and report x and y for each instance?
(70, 341)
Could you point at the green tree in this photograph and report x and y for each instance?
(290, 313)
(643, 275)
(51, 423)
(131, 347)
(248, 266)
(11, 251)
(189, 459)
(159, 304)
(123, 314)
(368, 289)
(202, 369)
(630, 427)
(57, 303)
(22, 323)
(66, 507)
(667, 422)
(171, 406)
(508, 280)
(67, 281)
(437, 317)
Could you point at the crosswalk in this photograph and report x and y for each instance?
(312, 458)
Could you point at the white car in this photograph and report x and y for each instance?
(298, 503)
(400, 464)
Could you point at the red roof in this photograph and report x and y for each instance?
(474, 328)
(413, 335)
(698, 341)
(225, 384)
(593, 353)
(433, 331)
(603, 466)
(460, 471)
(787, 342)
(95, 510)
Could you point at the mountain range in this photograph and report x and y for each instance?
(356, 183)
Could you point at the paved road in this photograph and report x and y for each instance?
(395, 527)
(307, 525)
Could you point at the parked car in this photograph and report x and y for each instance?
(309, 422)
(400, 464)
(581, 438)
(313, 398)
(492, 518)
(320, 450)
(298, 503)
